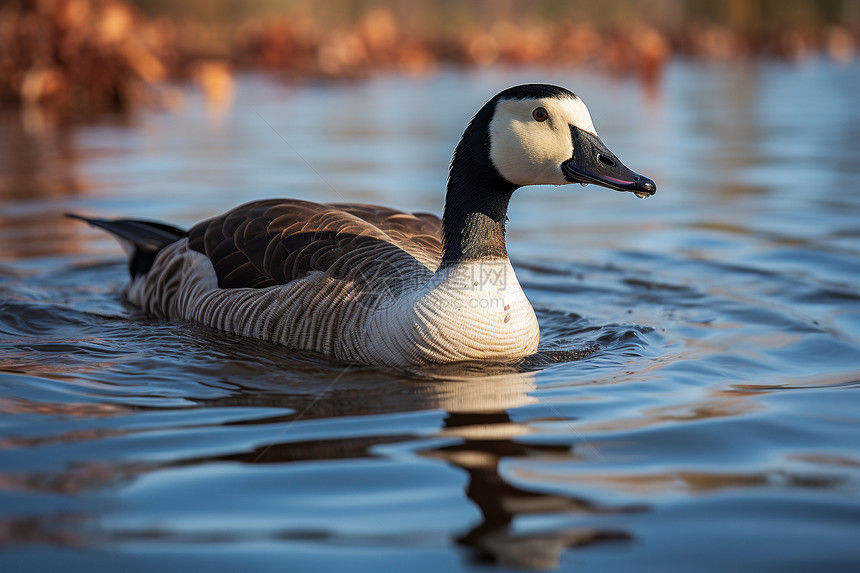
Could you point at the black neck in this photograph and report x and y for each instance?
(476, 203)
(473, 225)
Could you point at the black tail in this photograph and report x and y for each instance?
(142, 240)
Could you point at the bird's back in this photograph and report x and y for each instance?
(274, 242)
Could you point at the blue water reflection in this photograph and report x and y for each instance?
(713, 425)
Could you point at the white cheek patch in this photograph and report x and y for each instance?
(530, 152)
(577, 115)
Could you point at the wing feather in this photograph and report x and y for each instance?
(271, 242)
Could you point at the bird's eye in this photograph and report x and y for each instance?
(540, 114)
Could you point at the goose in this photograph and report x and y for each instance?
(372, 285)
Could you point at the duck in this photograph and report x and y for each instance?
(372, 285)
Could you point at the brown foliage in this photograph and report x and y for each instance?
(81, 54)
(85, 55)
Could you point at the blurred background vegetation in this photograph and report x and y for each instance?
(84, 55)
(438, 17)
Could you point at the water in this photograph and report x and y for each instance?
(717, 425)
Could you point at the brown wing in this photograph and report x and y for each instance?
(265, 243)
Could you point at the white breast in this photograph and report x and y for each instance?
(470, 311)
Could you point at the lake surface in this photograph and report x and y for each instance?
(716, 425)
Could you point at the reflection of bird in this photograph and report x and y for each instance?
(522, 524)
(373, 285)
(496, 538)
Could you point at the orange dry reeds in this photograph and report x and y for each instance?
(81, 54)
(106, 54)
